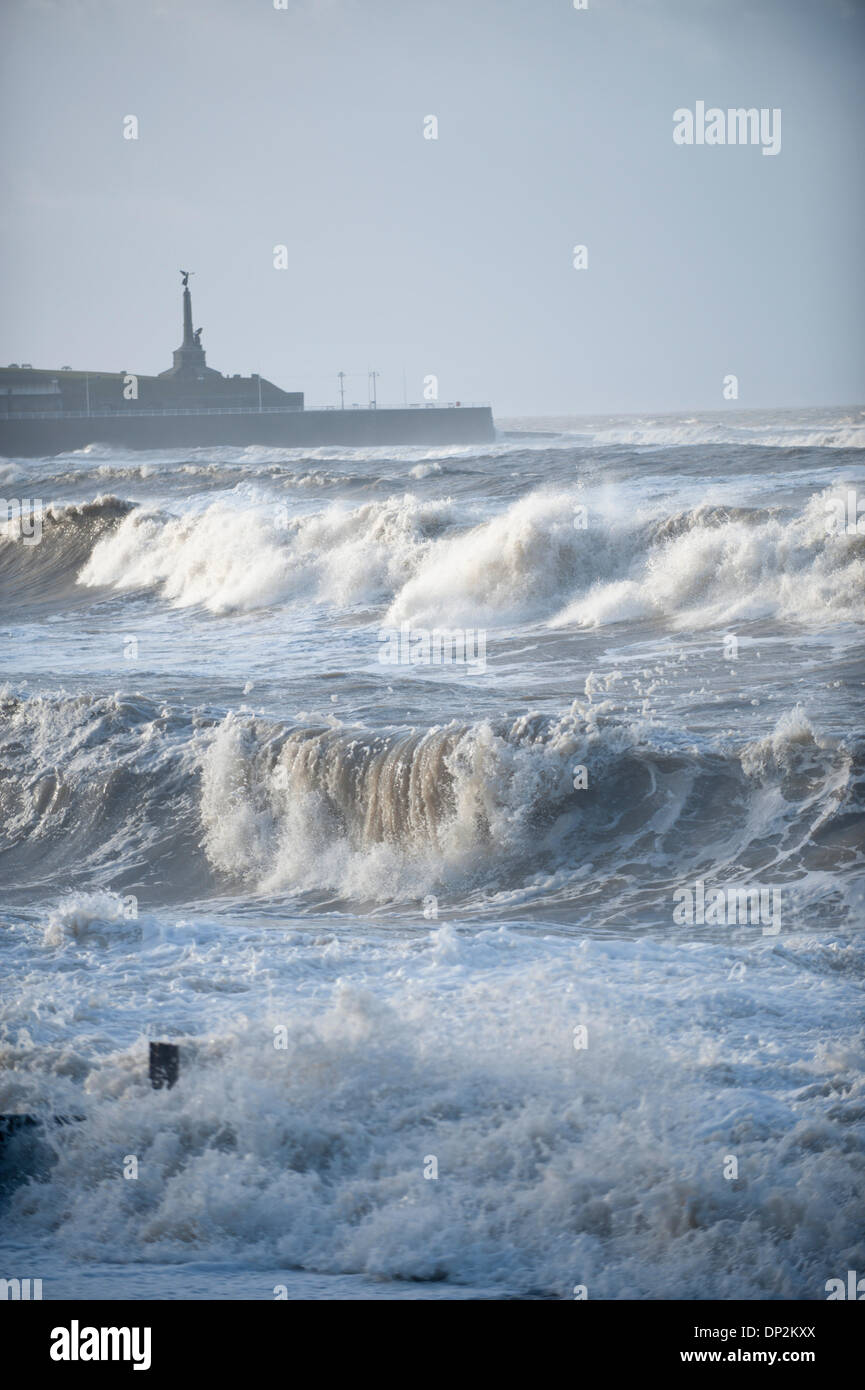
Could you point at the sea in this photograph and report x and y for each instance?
(484, 824)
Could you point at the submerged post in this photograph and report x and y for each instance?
(164, 1065)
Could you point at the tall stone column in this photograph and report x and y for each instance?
(188, 339)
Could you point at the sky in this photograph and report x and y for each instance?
(303, 127)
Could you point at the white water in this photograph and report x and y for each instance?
(222, 815)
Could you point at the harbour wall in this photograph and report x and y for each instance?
(38, 437)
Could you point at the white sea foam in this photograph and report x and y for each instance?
(99, 916)
(432, 566)
(556, 1166)
(713, 573)
(233, 556)
(676, 435)
(809, 429)
(515, 566)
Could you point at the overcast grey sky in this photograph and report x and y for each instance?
(305, 127)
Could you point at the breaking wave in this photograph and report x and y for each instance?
(227, 558)
(676, 433)
(47, 570)
(98, 789)
(431, 561)
(718, 567)
(487, 807)
(131, 795)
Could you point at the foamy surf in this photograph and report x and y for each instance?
(547, 556)
(554, 1166)
(577, 922)
(479, 812)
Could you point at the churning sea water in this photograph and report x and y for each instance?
(486, 826)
